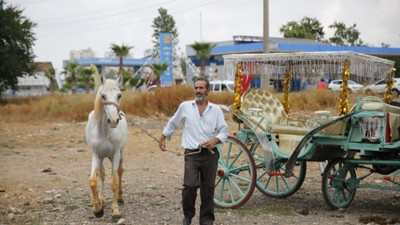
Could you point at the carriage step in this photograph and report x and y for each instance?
(272, 174)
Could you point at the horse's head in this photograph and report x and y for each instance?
(110, 94)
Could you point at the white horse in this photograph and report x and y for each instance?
(106, 135)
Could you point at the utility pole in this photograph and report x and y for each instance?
(201, 30)
(265, 81)
(266, 27)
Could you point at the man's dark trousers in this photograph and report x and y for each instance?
(200, 171)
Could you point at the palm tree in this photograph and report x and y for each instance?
(203, 50)
(51, 73)
(158, 69)
(71, 69)
(121, 52)
(86, 76)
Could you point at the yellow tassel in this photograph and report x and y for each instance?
(286, 89)
(343, 105)
(387, 96)
(238, 91)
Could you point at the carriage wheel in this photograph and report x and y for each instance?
(236, 175)
(338, 184)
(275, 184)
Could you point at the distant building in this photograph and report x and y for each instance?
(36, 84)
(111, 54)
(82, 54)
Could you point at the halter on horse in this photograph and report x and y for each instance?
(106, 135)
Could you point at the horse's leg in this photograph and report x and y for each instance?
(120, 200)
(101, 185)
(115, 184)
(97, 202)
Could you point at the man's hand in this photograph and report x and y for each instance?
(162, 143)
(210, 144)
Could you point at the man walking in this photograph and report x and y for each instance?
(204, 127)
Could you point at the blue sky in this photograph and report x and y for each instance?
(65, 25)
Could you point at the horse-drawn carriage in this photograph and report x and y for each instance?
(271, 150)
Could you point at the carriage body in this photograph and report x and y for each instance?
(276, 149)
(367, 140)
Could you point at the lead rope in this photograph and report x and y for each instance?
(120, 113)
(168, 150)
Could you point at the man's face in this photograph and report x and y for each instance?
(200, 91)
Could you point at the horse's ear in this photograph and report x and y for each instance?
(101, 79)
(120, 81)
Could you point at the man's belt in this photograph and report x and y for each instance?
(198, 150)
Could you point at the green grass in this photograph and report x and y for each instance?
(6, 145)
(140, 194)
(70, 207)
(277, 210)
(49, 146)
(157, 203)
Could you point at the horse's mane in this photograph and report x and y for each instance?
(107, 85)
(97, 104)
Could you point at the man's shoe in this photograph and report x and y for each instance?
(186, 221)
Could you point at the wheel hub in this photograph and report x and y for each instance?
(222, 173)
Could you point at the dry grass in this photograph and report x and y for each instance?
(62, 108)
(49, 108)
(166, 100)
(163, 100)
(310, 101)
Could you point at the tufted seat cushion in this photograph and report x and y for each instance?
(265, 111)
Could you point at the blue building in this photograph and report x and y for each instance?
(253, 44)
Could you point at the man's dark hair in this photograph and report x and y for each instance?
(204, 79)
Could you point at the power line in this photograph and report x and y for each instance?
(94, 15)
(119, 24)
(27, 2)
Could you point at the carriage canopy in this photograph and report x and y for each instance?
(309, 66)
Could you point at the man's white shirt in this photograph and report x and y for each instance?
(197, 128)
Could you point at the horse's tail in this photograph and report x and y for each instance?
(96, 78)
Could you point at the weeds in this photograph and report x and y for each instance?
(70, 207)
(6, 145)
(281, 211)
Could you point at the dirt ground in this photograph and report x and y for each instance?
(45, 169)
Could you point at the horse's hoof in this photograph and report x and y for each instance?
(100, 213)
(115, 218)
(120, 201)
